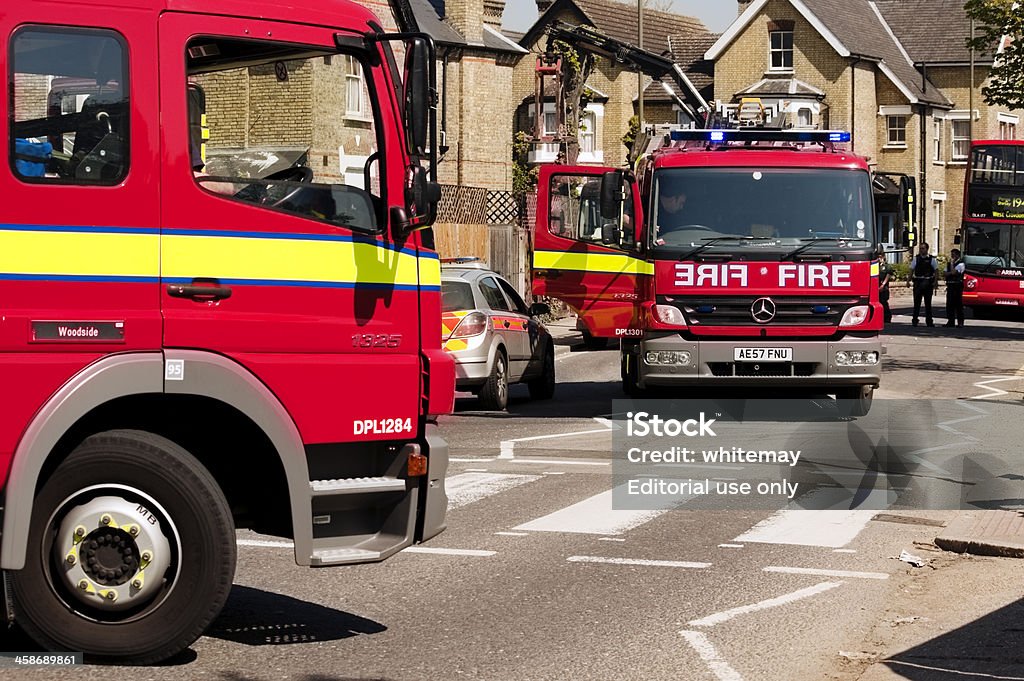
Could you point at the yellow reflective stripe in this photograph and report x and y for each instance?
(874, 269)
(430, 271)
(610, 263)
(455, 345)
(100, 254)
(234, 258)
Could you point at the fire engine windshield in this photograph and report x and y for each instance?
(731, 208)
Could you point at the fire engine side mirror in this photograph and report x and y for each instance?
(610, 234)
(418, 95)
(611, 197)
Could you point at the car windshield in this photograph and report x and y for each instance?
(730, 208)
(456, 295)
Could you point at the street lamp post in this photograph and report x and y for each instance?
(639, 74)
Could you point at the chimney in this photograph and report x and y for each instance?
(466, 17)
(542, 5)
(744, 4)
(493, 9)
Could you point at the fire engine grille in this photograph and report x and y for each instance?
(789, 310)
(764, 369)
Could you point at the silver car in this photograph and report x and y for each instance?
(494, 337)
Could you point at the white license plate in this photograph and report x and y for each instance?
(763, 354)
(1011, 301)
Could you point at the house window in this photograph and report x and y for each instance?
(781, 52)
(353, 87)
(937, 139)
(961, 140)
(1007, 126)
(588, 132)
(803, 118)
(897, 130)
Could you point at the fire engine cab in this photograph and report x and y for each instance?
(219, 305)
(728, 257)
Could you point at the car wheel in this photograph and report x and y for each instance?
(494, 393)
(855, 401)
(543, 387)
(131, 552)
(591, 342)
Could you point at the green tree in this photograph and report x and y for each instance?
(1000, 24)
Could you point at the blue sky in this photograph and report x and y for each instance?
(716, 14)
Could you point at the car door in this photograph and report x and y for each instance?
(528, 329)
(297, 281)
(600, 281)
(507, 325)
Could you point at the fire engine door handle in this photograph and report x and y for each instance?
(200, 290)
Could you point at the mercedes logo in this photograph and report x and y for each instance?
(763, 310)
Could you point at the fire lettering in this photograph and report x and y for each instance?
(812, 276)
(710, 274)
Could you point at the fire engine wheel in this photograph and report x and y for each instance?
(494, 393)
(131, 552)
(855, 401)
(543, 387)
(630, 373)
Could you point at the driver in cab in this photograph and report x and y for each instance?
(671, 205)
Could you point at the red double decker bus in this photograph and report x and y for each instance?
(993, 229)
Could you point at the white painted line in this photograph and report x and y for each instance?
(826, 573)
(730, 546)
(844, 550)
(726, 615)
(554, 472)
(508, 446)
(832, 529)
(594, 515)
(565, 462)
(610, 539)
(477, 470)
(639, 561)
(472, 460)
(264, 543)
(465, 488)
(718, 666)
(513, 534)
(993, 392)
(448, 552)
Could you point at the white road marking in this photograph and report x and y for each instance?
(730, 546)
(718, 666)
(554, 473)
(448, 552)
(594, 515)
(508, 446)
(465, 488)
(477, 470)
(833, 529)
(726, 615)
(564, 462)
(513, 534)
(826, 573)
(265, 543)
(472, 459)
(610, 539)
(844, 550)
(639, 561)
(993, 392)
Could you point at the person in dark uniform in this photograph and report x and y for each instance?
(922, 270)
(884, 274)
(955, 289)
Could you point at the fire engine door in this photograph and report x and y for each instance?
(587, 261)
(274, 247)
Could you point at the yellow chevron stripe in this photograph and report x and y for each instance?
(607, 263)
(101, 254)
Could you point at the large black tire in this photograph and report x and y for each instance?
(593, 342)
(177, 499)
(543, 387)
(855, 401)
(494, 393)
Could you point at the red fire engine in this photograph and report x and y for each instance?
(219, 305)
(740, 257)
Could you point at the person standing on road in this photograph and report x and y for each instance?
(922, 270)
(884, 274)
(955, 289)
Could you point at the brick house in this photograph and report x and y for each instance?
(884, 72)
(606, 117)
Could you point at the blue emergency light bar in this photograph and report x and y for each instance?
(759, 135)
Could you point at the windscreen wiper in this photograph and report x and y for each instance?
(711, 241)
(990, 263)
(815, 240)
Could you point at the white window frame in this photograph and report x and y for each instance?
(596, 111)
(810, 117)
(964, 139)
(355, 78)
(772, 51)
(543, 153)
(891, 128)
(1009, 122)
(938, 126)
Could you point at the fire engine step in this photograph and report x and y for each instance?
(343, 556)
(322, 488)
